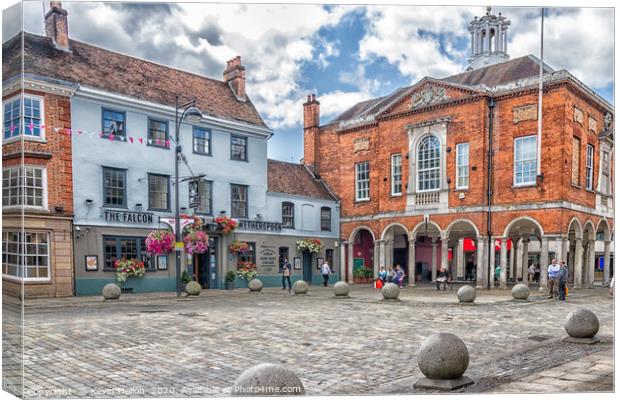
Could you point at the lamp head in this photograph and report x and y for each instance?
(193, 115)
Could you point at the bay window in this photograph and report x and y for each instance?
(24, 186)
(26, 255)
(32, 113)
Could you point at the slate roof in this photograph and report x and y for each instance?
(289, 178)
(496, 74)
(106, 70)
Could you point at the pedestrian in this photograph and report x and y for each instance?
(390, 275)
(562, 278)
(325, 271)
(531, 272)
(286, 274)
(383, 274)
(469, 270)
(537, 273)
(399, 275)
(552, 274)
(442, 277)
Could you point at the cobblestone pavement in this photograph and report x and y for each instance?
(159, 346)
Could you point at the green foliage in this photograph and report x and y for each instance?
(185, 277)
(230, 276)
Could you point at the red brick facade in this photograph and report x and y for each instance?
(55, 154)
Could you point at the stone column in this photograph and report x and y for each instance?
(606, 264)
(381, 254)
(460, 259)
(411, 262)
(473, 44)
(578, 263)
(513, 250)
(591, 264)
(491, 270)
(544, 262)
(481, 277)
(444, 252)
(375, 258)
(350, 262)
(525, 262)
(503, 260)
(434, 259)
(342, 261)
(519, 260)
(389, 253)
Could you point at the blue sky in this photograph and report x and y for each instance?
(344, 54)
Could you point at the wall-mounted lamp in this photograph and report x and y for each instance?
(183, 208)
(223, 212)
(138, 206)
(59, 208)
(89, 202)
(448, 149)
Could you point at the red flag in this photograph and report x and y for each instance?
(131, 139)
(140, 140)
(111, 137)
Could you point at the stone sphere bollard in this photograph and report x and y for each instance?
(341, 289)
(255, 285)
(193, 288)
(111, 291)
(466, 294)
(390, 291)
(271, 379)
(581, 326)
(300, 287)
(443, 358)
(520, 291)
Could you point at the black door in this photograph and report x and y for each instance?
(212, 263)
(307, 261)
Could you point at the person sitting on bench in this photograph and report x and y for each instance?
(443, 277)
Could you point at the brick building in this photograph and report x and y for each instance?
(37, 191)
(449, 172)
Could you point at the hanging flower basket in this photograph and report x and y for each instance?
(246, 270)
(128, 268)
(226, 224)
(159, 242)
(311, 245)
(196, 242)
(238, 247)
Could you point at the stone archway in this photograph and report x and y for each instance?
(531, 246)
(361, 251)
(464, 239)
(394, 250)
(428, 250)
(603, 233)
(575, 251)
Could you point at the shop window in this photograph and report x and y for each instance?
(248, 256)
(25, 255)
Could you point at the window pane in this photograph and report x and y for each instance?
(288, 215)
(326, 219)
(158, 192)
(158, 133)
(202, 141)
(113, 123)
(114, 187)
(525, 160)
(30, 250)
(428, 154)
(238, 148)
(239, 202)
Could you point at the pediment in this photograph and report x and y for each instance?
(428, 92)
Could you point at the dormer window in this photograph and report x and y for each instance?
(429, 163)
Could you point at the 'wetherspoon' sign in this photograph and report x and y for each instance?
(128, 216)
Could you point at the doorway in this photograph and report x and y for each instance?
(205, 266)
(307, 265)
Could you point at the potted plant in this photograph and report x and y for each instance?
(159, 242)
(238, 247)
(311, 245)
(185, 279)
(125, 269)
(229, 280)
(226, 224)
(362, 275)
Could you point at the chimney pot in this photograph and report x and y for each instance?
(234, 75)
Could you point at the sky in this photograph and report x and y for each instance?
(343, 53)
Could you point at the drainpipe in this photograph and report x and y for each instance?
(490, 245)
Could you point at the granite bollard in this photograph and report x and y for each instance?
(443, 358)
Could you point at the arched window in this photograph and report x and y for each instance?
(428, 163)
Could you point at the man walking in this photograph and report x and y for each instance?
(325, 271)
(286, 274)
(562, 278)
(552, 273)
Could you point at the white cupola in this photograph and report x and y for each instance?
(489, 40)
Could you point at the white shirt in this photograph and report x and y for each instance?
(325, 270)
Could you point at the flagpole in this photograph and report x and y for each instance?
(540, 97)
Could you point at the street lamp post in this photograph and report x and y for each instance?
(192, 115)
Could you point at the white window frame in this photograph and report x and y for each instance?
(23, 255)
(605, 172)
(589, 167)
(21, 136)
(420, 170)
(462, 165)
(515, 161)
(22, 183)
(396, 175)
(358, 182)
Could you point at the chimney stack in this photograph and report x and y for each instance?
(311, 133)
(234, 75)
(56, 25)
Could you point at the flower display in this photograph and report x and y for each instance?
(127, 268)
(196, 242)
(226, 224)
(311, 245)
(246, 270)
(238, 246)
(159, 242)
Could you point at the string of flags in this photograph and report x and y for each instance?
(79, 132)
